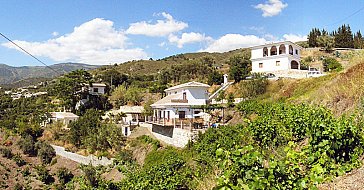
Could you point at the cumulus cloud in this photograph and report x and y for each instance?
(234, 41)
(188, 38)
(271, 8)
(294, 37)
(55, 33)
(162, 28)
(93, 42)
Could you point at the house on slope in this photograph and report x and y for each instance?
(64, 117)
(133, 114)
(177, 115)
(281, 58)
(96, 88)
(180, 106)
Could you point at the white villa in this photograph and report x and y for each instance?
(276, 57)
(96, 88)
(65, 117)
(180, 107)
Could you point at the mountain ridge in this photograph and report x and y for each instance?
(10, 74)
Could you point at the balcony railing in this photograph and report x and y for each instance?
(187, 123)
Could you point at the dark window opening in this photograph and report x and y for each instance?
(265, 51)
(181, 114)
(273, 50)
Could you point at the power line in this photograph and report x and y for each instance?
(356, 12)
(29, 53)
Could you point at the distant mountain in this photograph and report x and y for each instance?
(9, 74)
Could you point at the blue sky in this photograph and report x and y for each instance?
(104, 32)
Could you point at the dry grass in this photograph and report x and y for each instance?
(350, 181)
(209, 182)
(11, 174)
(340, 92)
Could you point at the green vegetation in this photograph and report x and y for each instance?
(69, 88)
(340, 38)
(44, 175)
(45, 152)
(6, 152)
(281, 146)
(19, 160)
(64, 176)
(279, 143)
(331, 64)
(27, 145)
(149, 140)
(90, 133)
(240, 67)
(251, 88)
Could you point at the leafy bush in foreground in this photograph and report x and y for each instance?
(317, 146)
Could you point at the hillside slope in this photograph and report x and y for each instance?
(147, 67)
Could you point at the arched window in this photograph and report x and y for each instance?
(282, 49)
(294, 65)
(265, 51)
(273, 50)
(290, 50)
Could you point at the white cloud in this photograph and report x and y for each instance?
(257, 29)
(55, 33)
(93, 42)
(162, 44)
(188, 38)
(271, 8)
(234, 41)
(294, 37)
(161, 28)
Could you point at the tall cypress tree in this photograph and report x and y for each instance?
(349, 38)
(358, 40)
(344, 37)
(312, 37)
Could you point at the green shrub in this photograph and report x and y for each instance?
(149, 140)
(64, 175)
(44, 175)
(230, 100)
(45, 152)
(316, 146)
(253, 88)
(90, 175)
(18, 186)
(171, 173)
(6, 152)
(331, 64)
(19, 160)
(26, 171)
(27, 145)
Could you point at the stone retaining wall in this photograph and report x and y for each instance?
(180, 137)
(91, 159)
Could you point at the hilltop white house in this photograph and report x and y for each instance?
(180, 107)
(276, 57)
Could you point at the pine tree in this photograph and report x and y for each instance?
(312, 37)
(358, 40)
(344, 37)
